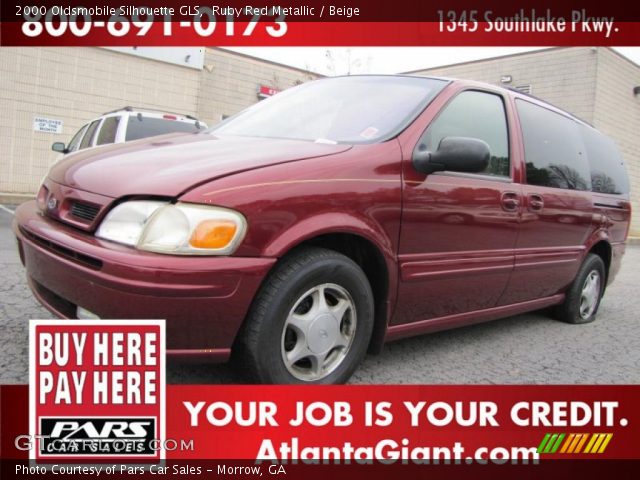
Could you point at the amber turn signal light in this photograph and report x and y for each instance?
(213, 234)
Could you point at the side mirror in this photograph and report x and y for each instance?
(456, 154)
(59, 147)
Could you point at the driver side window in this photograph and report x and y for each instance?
(478, 115)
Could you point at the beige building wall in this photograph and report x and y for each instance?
(74, 85)
(78, 84)
(565, 77)
(617, 114)
(229, 82)
(595, 84)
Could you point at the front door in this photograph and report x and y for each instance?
(458, 229)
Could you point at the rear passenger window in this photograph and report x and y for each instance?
(608, 174)
(108, 130)
(143, 127)
(88, 137)
(476, 115)
(555, 154)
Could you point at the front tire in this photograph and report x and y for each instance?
(310, 323)
(583, 297)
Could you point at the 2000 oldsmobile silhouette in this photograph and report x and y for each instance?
(317, 224)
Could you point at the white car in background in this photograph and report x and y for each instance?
(128, 124)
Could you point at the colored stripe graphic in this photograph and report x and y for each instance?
(592, 440)
(543, 443)
(550, 443)
(579, 438)
(555, 447)
(573, 443)
(581, 443)
(569, 441)
(607, 439)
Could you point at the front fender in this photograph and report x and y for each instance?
(358, 191)
(330, 223)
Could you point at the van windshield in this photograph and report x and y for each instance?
(359, 109)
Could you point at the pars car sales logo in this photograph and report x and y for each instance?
(97, 389)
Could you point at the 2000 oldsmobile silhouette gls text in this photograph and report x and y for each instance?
(339, 214)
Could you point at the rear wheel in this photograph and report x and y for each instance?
(311, 321)
(583, 297)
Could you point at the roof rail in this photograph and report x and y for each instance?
(526, 94)
(126, 109)
(129, 108)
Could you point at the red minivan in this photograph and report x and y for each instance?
(316, 225)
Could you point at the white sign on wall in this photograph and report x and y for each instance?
(47, 125)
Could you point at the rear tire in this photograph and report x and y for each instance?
(310, 323)
(583, 297)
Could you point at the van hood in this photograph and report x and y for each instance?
(170, 165)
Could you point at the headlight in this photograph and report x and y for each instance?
(185, 229)
(125, 223)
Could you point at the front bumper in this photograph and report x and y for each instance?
(203, 299)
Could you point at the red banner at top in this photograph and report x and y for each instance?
(319, 10)
(311, 34)
(233, 23)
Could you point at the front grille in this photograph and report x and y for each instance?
(85, 211)
(80, 258)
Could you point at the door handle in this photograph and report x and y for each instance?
(535, 202)
(510, 201)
